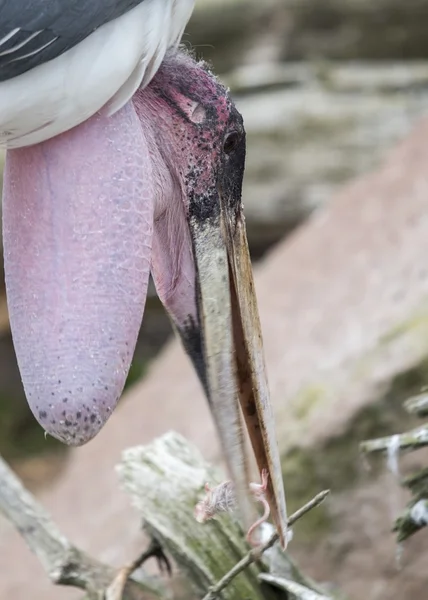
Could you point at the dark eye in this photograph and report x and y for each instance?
(230, 142)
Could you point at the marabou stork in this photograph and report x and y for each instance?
(125, 156)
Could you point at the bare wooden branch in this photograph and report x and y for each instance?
(298, 591)
(254, 554)
(417, 483)
(417, 405)
(165, 481)
(417, 438)
(413, 519)
(64, 563)
(280, 563)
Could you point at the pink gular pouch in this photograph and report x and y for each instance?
(78, 222)
(88, 214)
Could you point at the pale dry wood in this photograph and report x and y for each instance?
(64, 563)
(165, 481)
(417, 438)
(298, 591)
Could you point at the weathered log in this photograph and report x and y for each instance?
(165, 481)
(64, 563)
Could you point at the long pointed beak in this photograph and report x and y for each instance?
(228, 354)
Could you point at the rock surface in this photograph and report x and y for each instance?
(313, 127)
(344, 309)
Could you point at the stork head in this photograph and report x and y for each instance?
(88, 214)
(198, 149)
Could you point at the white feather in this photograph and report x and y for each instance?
(9, 35)
(21, 44)
(106, 67)
(22, 56)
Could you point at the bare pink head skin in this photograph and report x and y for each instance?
(88, 214)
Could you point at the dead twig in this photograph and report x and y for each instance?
(116, 589)
(417, 438)
(255, 554)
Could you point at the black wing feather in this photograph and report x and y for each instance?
(61, 25)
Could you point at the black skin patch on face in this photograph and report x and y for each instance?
(226, 175)
(231, 176)
(205, 206)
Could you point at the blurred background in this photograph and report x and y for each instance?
(327, 88)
